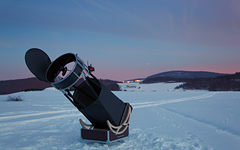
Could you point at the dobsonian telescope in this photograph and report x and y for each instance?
(109, 116)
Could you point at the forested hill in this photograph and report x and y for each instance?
(30, 84)
(12, 86)
(198, 80)
(221, 83)
(187, 74)
(180, 76)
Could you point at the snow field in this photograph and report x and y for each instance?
(161, 119)
(154, 87)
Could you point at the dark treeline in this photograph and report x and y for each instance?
(221, 83)
(33, 84)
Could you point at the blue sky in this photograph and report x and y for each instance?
(123, 39)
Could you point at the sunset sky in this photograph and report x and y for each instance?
(123, 39)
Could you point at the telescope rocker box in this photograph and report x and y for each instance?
(88, 132)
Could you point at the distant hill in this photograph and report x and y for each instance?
(187, 74)
(220, 83)
(180, 76)
(198, 80)
(13, 86)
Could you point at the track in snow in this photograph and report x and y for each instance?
(162, 102)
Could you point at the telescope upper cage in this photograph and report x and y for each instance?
(53, 71)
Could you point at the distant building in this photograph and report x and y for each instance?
(130, 81)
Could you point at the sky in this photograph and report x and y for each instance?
(123, 39)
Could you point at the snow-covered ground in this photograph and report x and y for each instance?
(161, 119)
(155, 87)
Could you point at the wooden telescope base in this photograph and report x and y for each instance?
(102, 136)
(114, 133)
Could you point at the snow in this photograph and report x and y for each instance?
(154, 87)
(162, 118)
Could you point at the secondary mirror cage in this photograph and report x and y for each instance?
(66, 70)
